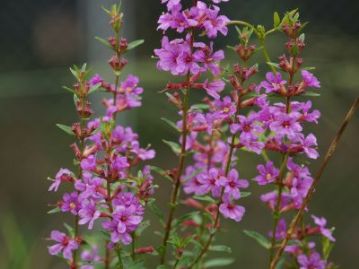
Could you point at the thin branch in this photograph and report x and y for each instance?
(329, 155)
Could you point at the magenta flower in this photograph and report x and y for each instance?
(176, 57)
(90, 257)
(213, 181)
(214, 87)
(309, 146)
(311, 261)
(268, 173)
(95, 80)
(273, 83)
(322, 222)
(171, 3)
(121, 137)
(232, 211)
(214, 23)
(224, 109)
(89, 213)
(310, 80)
(70, 203)
(89, 163)
(90, 187)
(234, 184)
(124, 221)
(63, 175)
(130, 92)
(248, 127)
(304, 109)
(286, 125)
(210, 59)
(281, 231)
(64, 245)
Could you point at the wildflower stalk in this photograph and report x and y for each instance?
(83, 120)
(179, 171)
(328, 156)
(227, 169)
(277, 213)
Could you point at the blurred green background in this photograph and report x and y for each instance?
(40, 39)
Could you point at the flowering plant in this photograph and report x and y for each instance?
(240, 114)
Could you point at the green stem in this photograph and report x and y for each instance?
(77, 218)
(177, 181)
(266, 54)
(133, 247)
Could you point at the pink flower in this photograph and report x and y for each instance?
(64, 244)
(310, 80)
(273, 83)
(232, 211)
(63, 175)
(322, 222)
(267, 173)
(214, 87)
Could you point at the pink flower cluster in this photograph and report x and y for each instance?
(200, 16)
(284, 123)
(111, 187)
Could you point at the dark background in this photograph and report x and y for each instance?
(40, 39)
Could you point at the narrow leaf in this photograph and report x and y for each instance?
(276, 19)
(54, 210)
(65, 128)
(103, 41)
(219, 262)
(135, 44)
(312, 94)
(221, 248)
(261, 239)
(69, 229)
(171, 124)
(205, 198)
(95, 88)
(174, 146)
(68, 89)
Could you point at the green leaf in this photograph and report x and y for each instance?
(205, 198)
(311, 94)
(95, 88)
(273, 64)
(327, 247)
(220, 248)
(276, 19)
(171, 124)
(103, 41)
(135, 44)
(174, 146)
(261, 239)
(161, 172)
(219, 262)
(200, 107)
(69, 229)
(65, 128)
(68, 89)
(54, 210)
